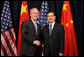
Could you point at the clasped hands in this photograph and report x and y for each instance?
(37, 43)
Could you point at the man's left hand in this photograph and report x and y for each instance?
(61, 54)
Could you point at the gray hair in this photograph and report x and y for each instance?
(33, 9)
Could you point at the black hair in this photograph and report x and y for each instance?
(51, 12)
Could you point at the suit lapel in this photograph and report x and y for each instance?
(38, 28)
(48, 29)
(32, 25)
(54, 28)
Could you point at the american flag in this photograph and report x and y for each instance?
(42, 20)
(8, 39)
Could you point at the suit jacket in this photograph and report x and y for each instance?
(28, 34)
(55, 44)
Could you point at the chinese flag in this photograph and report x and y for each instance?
(24, 15)
(70, 48)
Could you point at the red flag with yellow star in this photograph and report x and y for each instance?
(24, 15)
(70, 48)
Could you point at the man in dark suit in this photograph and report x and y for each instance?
(31, 35)
(53, 35)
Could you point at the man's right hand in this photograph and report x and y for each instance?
(37, 42)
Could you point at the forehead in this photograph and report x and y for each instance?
(34, 10)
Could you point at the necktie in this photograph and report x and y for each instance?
(35, 24)
(50, 29)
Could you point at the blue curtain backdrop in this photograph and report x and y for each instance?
(77, 13)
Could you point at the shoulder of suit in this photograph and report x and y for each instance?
(25, 22)
(39, 25)
(59, 25)
(45, 26)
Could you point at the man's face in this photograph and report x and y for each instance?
(34, 14)
(51, 17)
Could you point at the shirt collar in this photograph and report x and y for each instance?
(52, 23)
(33, 20)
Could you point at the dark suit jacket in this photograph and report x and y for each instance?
(28, 34)
(55, 44)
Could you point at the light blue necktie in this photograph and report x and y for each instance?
(35, 24)
(50, 29)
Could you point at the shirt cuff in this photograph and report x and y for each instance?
(34, 42)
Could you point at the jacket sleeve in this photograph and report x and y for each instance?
(25, 33)
(62, 34)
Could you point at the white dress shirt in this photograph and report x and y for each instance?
(52, 25)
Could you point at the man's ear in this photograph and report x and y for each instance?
(55, 17)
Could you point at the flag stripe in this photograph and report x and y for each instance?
(2, 53)
(12, 37)
(9, 35)
(8, 41)
(13, 41)
(4, 46)
(12, 31)
(4, 50)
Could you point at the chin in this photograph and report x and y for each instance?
(35, 19)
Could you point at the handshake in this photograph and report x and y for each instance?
(37, 43)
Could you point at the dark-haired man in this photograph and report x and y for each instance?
(53, 35)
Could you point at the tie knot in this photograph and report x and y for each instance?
(34, 21)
